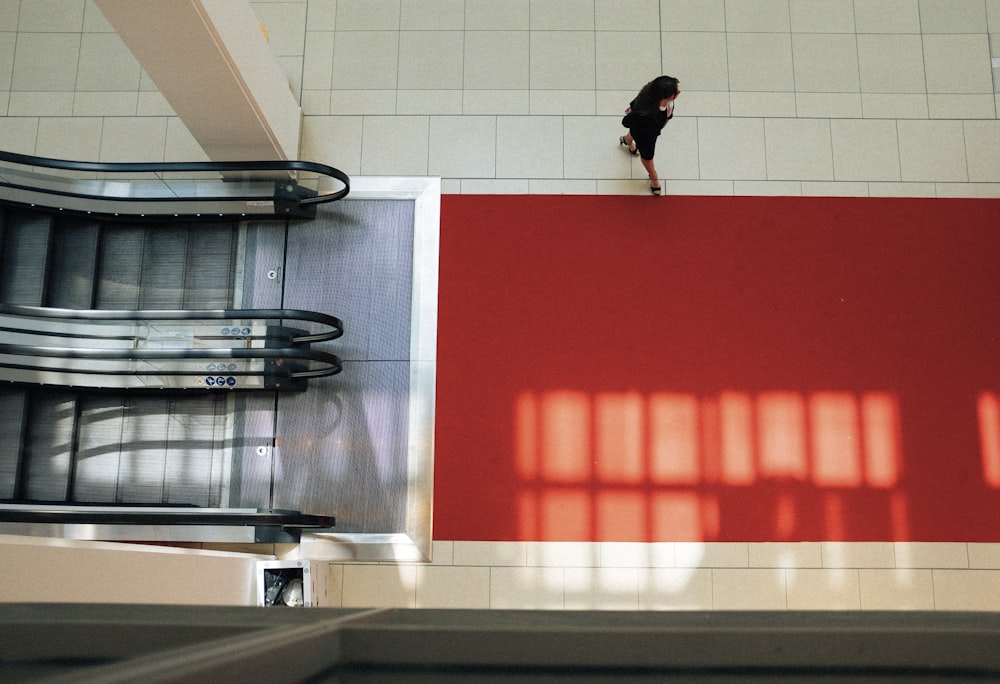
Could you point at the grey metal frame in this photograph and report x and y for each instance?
(414, 543)
(219, 644)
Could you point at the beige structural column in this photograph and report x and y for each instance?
(211, 62)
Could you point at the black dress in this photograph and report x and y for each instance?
(646, 129)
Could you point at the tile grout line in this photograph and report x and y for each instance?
(660, 32)
(343, 582)
(965, 153)
(933, 589)
(899, 159)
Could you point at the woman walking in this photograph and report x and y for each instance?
(645, 117)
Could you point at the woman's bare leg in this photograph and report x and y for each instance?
(654, 180)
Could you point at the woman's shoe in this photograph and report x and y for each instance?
(632, 150)
(656, 190)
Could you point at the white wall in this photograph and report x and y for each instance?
(36, 569)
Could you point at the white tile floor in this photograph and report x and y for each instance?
(791, 97)
(781, 97)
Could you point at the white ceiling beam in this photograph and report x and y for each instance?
(212, 63)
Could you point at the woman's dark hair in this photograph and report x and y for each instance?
(653, 92)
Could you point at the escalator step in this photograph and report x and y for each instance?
(12, 414)
(24, 258)
(49, 445)
(74, 264)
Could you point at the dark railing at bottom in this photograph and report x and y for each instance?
(271, 524)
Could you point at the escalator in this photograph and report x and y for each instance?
(121, 334)
(220, 349)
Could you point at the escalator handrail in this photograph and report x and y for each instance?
(208, 166)
(125, 514)
(95, 315)
(332, 361)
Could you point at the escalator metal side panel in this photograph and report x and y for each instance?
(24, 258)
(49, 447)
(13, 406)
(263, 273)
(255, 454)
(222, 462)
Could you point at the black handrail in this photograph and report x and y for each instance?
(292, 359)
(335, 325)
(284, 196)
(124, 514)
(331, 362)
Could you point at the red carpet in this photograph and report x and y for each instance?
(719, 369)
